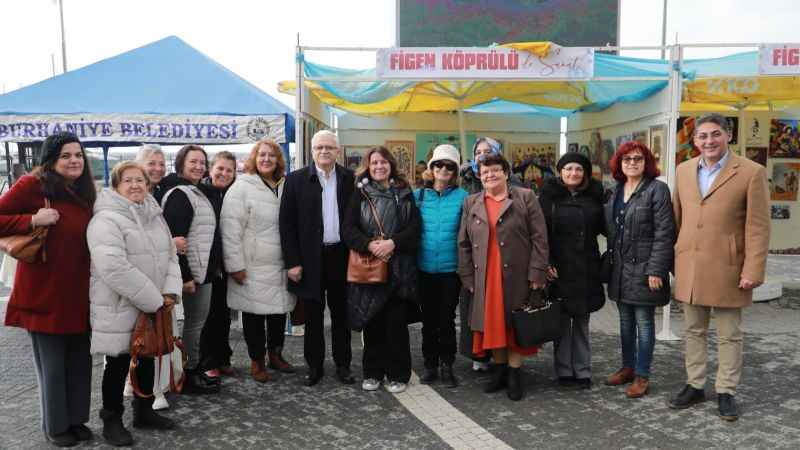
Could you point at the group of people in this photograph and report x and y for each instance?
(265, 242)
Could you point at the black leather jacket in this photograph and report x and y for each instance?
(645, 247)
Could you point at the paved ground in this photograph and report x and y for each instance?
(283, 414)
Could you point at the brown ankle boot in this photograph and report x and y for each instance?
(277, 362)
(638, 388)
(258, 371)
(620, 377)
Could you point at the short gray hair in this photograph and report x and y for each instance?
(321, 133)
(148, 150)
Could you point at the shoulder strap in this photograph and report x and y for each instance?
(374, 211)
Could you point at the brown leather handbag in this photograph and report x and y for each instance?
(366, 268)
(152, 338)
(27, 247)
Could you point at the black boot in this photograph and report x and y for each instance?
(145, 417)
(499, 379)
(114, 431)
(514, 384)
(431, 374)
(448, 379)
(196, 384)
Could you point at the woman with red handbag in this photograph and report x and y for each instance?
(134, 269)
(382, 220)
(50, 298)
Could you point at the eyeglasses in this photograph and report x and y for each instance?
(632, 159)
(447, 165)
(327, 148)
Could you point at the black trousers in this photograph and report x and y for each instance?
(438, 295)
(114, 376)
(215, 348)
(333, 291)
(260, 339)
(387, 351)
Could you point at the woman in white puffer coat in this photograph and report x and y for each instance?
(134, 268)
(252, 247)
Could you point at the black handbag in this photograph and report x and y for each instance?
(539, 321)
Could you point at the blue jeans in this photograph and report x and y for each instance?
(637, 326)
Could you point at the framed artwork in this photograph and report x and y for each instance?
(573, 147)
(784, 139)
(780, 212)
(353, 156)
(403, 152)
(784, 182)
(426, 142)
(622, 139)
(658, 143)
(756, 131)
(685, 147)
(606, 153)
(640, 137)
(542, 154)
(757, 154)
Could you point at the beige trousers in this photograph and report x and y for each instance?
(729, 346)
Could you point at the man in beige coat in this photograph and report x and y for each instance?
(721, 207)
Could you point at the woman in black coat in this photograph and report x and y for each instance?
(572, 205)
(641, 235)
(380, 309)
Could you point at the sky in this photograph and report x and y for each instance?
(256, 39)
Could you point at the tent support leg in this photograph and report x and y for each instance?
(9, 165)
(299, 127)
(105, 165)
(673, 109)
(462, 134)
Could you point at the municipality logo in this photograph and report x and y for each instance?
(257, 128)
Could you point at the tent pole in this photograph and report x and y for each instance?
(462, 134)
(299, 128)
(105, 165)
(9, 165)
(673, 108)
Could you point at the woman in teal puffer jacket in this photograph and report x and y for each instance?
(440, 203)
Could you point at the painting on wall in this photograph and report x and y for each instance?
(685, 147)
(353, 156)
(784, 139)
(640, 137)
(426, 142)
(541, 155)
(783, 185)
(658, 142)
(623, 139)
(606, 153)
(756, 132)
(757, 154)
(403, 152)
(780, 212)
(573, 147)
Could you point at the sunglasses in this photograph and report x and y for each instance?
(447, 165)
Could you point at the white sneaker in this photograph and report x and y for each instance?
(298, 330)
(160, 402)
(396, 387)
(370, 384)
(128, 391)
(478, 366)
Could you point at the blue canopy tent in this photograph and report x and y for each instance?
(165, 92)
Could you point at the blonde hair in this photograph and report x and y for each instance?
(280, 167)
(120, 168)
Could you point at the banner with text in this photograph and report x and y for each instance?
(779, 59)
(479, 62)
(155, 128)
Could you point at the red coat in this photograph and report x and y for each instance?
(50, 297)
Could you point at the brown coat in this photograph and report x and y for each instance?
(522, 236)
(724, 236)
